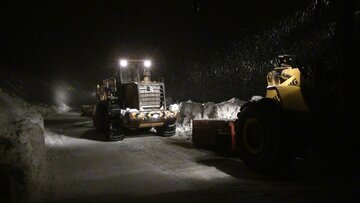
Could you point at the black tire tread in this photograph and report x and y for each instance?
(273, 157)
(166, 131)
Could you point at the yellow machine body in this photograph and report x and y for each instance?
(284, 86)
(106, 89)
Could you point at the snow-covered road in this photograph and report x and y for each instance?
(149, 168)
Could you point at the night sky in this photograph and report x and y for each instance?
(79, 42)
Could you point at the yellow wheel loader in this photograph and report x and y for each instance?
(131, 100)
(272, 129)
(295, 118)
(301, 116)
(309, 113)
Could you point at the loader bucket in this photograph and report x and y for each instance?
(213, 134)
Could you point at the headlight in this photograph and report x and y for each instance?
(147, 63)
(123, 63)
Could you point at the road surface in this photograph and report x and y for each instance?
(144, 167)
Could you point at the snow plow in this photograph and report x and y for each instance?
(131, 100)
(294, 119)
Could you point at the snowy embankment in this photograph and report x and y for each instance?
(191, 110)
(22, 148)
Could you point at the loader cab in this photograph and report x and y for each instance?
(286, 60)
(106, 89)
(129, 74)
(134, 71)
(285, 68)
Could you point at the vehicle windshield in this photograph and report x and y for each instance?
(286, 60)
(136, 73)
(130, 74)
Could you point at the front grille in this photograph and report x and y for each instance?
(151, 96)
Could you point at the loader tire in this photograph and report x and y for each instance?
(112, 129)
(95, 116)
(259, 138)
(99, 117)
(94, 121)
(166, 131)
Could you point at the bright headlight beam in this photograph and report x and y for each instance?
(123, 63)
(147, 63)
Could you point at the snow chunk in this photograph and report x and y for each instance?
(63, 108)
(52, 138)
(174, 107)
(209, 110)
(256, 98)
(228, 109)
(190, 110)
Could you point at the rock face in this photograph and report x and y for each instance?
(192, 110)
(22, 150)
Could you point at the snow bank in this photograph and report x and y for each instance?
(228, 109)
(188, 111)
(52, 138)
(191, 110)
(62, 108)
(22, 148)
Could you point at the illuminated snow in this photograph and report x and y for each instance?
(191, 110)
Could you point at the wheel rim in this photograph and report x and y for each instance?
(253, 136)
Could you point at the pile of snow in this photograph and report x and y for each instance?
(227, 109)
(52, 138)
(256, 98)
(190, 110)
(22, 148)
(62, 108)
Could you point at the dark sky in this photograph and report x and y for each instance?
(79, 41)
